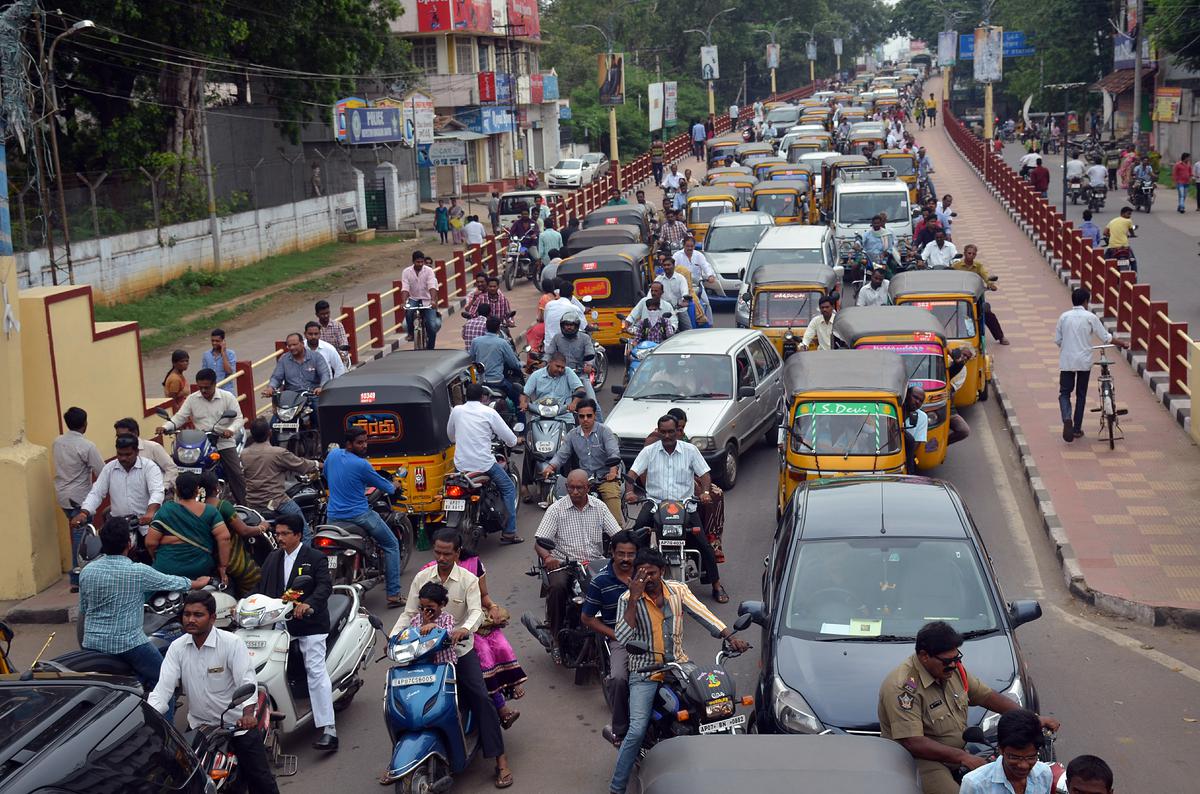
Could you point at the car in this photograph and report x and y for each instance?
(513, 202)
(857, 567)
(794, 244)
(86, 735)
(727, 246)
(729, 380)
(569, 173)
(597, 162)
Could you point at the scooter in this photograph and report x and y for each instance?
(548, 427)
(196, 450)
(431, 743)
(280, 667)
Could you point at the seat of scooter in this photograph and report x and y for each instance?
(339, 606)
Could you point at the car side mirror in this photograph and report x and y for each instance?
(745, 391)
(1024, 611)
(742, 622)
(755, 610)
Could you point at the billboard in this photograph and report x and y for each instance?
(433, 16)
(947, 41)
(339, 115)
(670, 100)
(710, 68)
(989, 54)
(487, 86)
(473, 15)
(772, 56)
(610, 76)
(418, 117)
(1014, 45)
(656, 106)
(486, 120)
(537, 89)
(837, 46)
(811, 50)
(374, 125)
(523, 19)
(504, 88)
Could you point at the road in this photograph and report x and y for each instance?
(1128, 693)
(1165, 244)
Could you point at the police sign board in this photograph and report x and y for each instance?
(374, 125)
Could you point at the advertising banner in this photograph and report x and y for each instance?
(524, 90)
(339, 115)
(947, 44)
(504, 88)
(374, 125)
(811, 50)
(523, 17)
(989, 54)
(837, 46)
(772, 56)
(473, 15)
(670, 100)
(537, 89)
(1015, 45)
(1167, 101)
(710, 69)
(656, 106)
(448, 152)
(610, 76)
(487, 87)
(550, 88)
(418, 117)
(433, 16)
(486, 120)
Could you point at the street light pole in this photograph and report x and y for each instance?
(707, 33)
(1066, 92)
(82, 24)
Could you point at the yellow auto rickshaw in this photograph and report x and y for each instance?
(742, 184)
(789, 171)
(956, 299)
(783, 299)
(615, 277)
(783, 201)
(760, 168)
(727, 170)
(917, 336)
(706, 203)
(608, 234)
(751, 153)
(904, 164)
(721, 147)
(403, 401)
(844, 416)
(621, 215)
(829, 172)
(860, 140)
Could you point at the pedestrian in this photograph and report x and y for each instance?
(441, 221)
(699, 136)
(474, 231)
(494, 211)
(77, 463)
(1196, 180)
(1039, 177)
(175, 384)
(1128, 159)
(220, 359)
(1181, 175)
(457, 221)
(1073, 335)
(657, 154)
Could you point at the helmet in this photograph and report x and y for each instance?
(571, 318)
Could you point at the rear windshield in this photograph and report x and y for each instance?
(785, 309)
(705, 211)
(568, 165)
(733, 239)
(25, 707)
(957, 317)
(786, 256)
(513, 205)
(776, 204)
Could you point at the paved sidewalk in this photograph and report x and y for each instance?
(1127, 521)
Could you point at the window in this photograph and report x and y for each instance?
(766, 360)
(464, 56)
(745, 370)
(485, 56)
(845, 428)
(424, 55)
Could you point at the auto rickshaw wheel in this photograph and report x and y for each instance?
(983, 395)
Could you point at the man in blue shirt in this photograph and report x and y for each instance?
(299, 368)
(1018, 738)
(877, 243)
(220, 359)
(555, 380)
(112, 591)
(494, 353)
(349, 475)
(1090, 231)
(600, 615)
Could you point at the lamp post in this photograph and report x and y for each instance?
(82, 24)
(772, 30)
(1066, 92)
(707, 33)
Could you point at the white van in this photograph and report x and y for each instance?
(512, 203)
(798, 244)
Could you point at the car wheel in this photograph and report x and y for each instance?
(727, 479)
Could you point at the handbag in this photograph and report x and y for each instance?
(488, 625)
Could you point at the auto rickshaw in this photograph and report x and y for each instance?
(799, 148)
(743, 184)
(918, 336)
(608, 234)
(789, 172)
(403, 401)
(727, 170)
(783, 201)
(760, 168)
(858, 141)
(784, 297)
(829, 172)
(615, 277)
(722, 146)
(904, 164)
(751, 153)
(956, 299)
(706, 203)
(844, 411)
(621, 215)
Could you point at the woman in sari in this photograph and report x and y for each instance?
(187, 537)
(243, 570)
(1128, 160)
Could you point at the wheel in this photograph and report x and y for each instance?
(403, 530)
(510, 275)
(729, 471)
(1111, 421)
(601, 365)
(417, 782)
(985, 392)
(419, 335)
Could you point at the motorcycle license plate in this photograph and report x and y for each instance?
(721, 726)
(452, 505)
(333, 561)
(429, 679)
(192, 469)
(287, 425)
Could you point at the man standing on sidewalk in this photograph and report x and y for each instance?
(1073, 335)
(77, 463)
(1181, 175)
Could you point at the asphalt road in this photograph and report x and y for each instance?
(1165, 244)
(1128, 693)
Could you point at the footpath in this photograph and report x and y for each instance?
(1126, 522)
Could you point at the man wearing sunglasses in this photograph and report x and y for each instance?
(923, 706)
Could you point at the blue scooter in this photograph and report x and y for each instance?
(422, 713)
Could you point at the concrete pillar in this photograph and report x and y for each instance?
(360, 198)
(388, 175)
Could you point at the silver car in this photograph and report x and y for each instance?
(729, 382)
(727, 245)
(597, 162)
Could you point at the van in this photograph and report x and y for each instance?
(783, 117)
(861, 193)
(796, 244)
(512, 203)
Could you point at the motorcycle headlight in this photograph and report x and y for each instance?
(718, 709)
(792, 712)
(409, 647)
(188, 456)
(1016, 691)
(550, 411)
(704, 442)
(288, 414)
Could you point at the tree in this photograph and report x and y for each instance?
(924, 19)
(1174, 26)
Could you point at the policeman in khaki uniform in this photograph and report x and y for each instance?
(923, 706)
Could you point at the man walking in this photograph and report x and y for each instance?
(220, 359)
(494, 211)
(77, 463)
(1181, 175)
(1039, 177)
(699, 136)
(1073, 335)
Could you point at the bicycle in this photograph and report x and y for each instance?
(1109, 413)
(419, 334)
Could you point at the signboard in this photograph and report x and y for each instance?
(1167, 102)
(473, 15)
(564, 113)
(486, 120)
(523, 19)
(374, 125)
(1123, 51)
(487, 87)
(339, 115)
(917, 46)
(710, 69)
(846, 409)
(349, 218)
(524, 90)
(947, 40)
(448, 151)
(550, 88)
(655, 106)
(537, 92)
(772, 56)
(418, 118)
(504, 88)
(670, 101)
(610, 76)
(1014, 45)
(989, 54)
(837, 46)
(433, 15)
(810, 50)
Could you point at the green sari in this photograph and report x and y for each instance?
(195, 555)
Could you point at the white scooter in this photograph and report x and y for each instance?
(348, 649)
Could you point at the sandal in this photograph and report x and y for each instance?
(720, 596)
(511, 540)
(508, 719)
(385, 779)
(504, 778)
(395, 602)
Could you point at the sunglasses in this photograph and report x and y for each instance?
(951, 662)
(429, 610)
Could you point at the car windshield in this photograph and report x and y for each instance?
(705, 211)
(733, 239)
(785, 309)
(513, 205)
(846, 428)
(886, 586)
(776, 204)
(681, 376)
(569, 165)
(957, 317)
(861, 207)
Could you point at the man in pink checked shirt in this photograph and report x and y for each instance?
(418, 292)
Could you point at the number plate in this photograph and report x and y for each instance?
(287, 425)
(333, 561)
(429, 679)
(255, 644)
(192, 469)
(721, 726)
(458, 505)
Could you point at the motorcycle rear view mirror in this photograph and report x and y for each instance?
(546, 543)
(241, 693)
(89, 547)
(974, 735)
(230, 414)
(302, 582)
(519, 427)
(162, 412)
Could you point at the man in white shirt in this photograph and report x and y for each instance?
(474, 231)
(210, 665)
(652, 307)
(733, 114)
(939, 252)
(1073, 335)
(556, 309)
(312, 338)
(418, 283)
(1096, 175)
(470, 428)
(1030, 160)
(1075, 168)
(205, 408)
(700, 268)
(133, 485)
(875, 291)
(151, 450)
(673, 179)
(820, 329)
(675, 289)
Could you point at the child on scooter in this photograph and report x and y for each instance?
(433, 598)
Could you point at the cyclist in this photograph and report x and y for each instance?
(418, 283)
(1073, 335)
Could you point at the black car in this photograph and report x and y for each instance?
(857, 567)
(62, 736)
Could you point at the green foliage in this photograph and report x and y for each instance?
(924, 19)
(1174, 26)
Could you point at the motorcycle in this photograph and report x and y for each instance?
(548, 427)
(1124, 256)
(1094, 196)
(582, 649)
(977, 744)
(1142, 196)
(531, 180)
(518, 263)
(1075, 189)
(196, 450)
(667, 531)
(352, 554)
(639, 351)
(213, 744)
(280, 668)
(292, 424)
(473, 503)
(431, 743)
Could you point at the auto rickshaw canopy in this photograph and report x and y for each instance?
(937, 282)
(855, 323)
(800, 275)
(846, 370)
(609, 234)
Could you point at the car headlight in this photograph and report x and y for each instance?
(188, 456)
(792, 712)
(1016, 691)
(704, 442)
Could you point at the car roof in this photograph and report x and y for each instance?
(794, 273)
(879, 505)
(794, 236)
(874, 186)
(707, 340)
(741, 219)
(43, 711)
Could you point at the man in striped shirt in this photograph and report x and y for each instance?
(651, 615)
